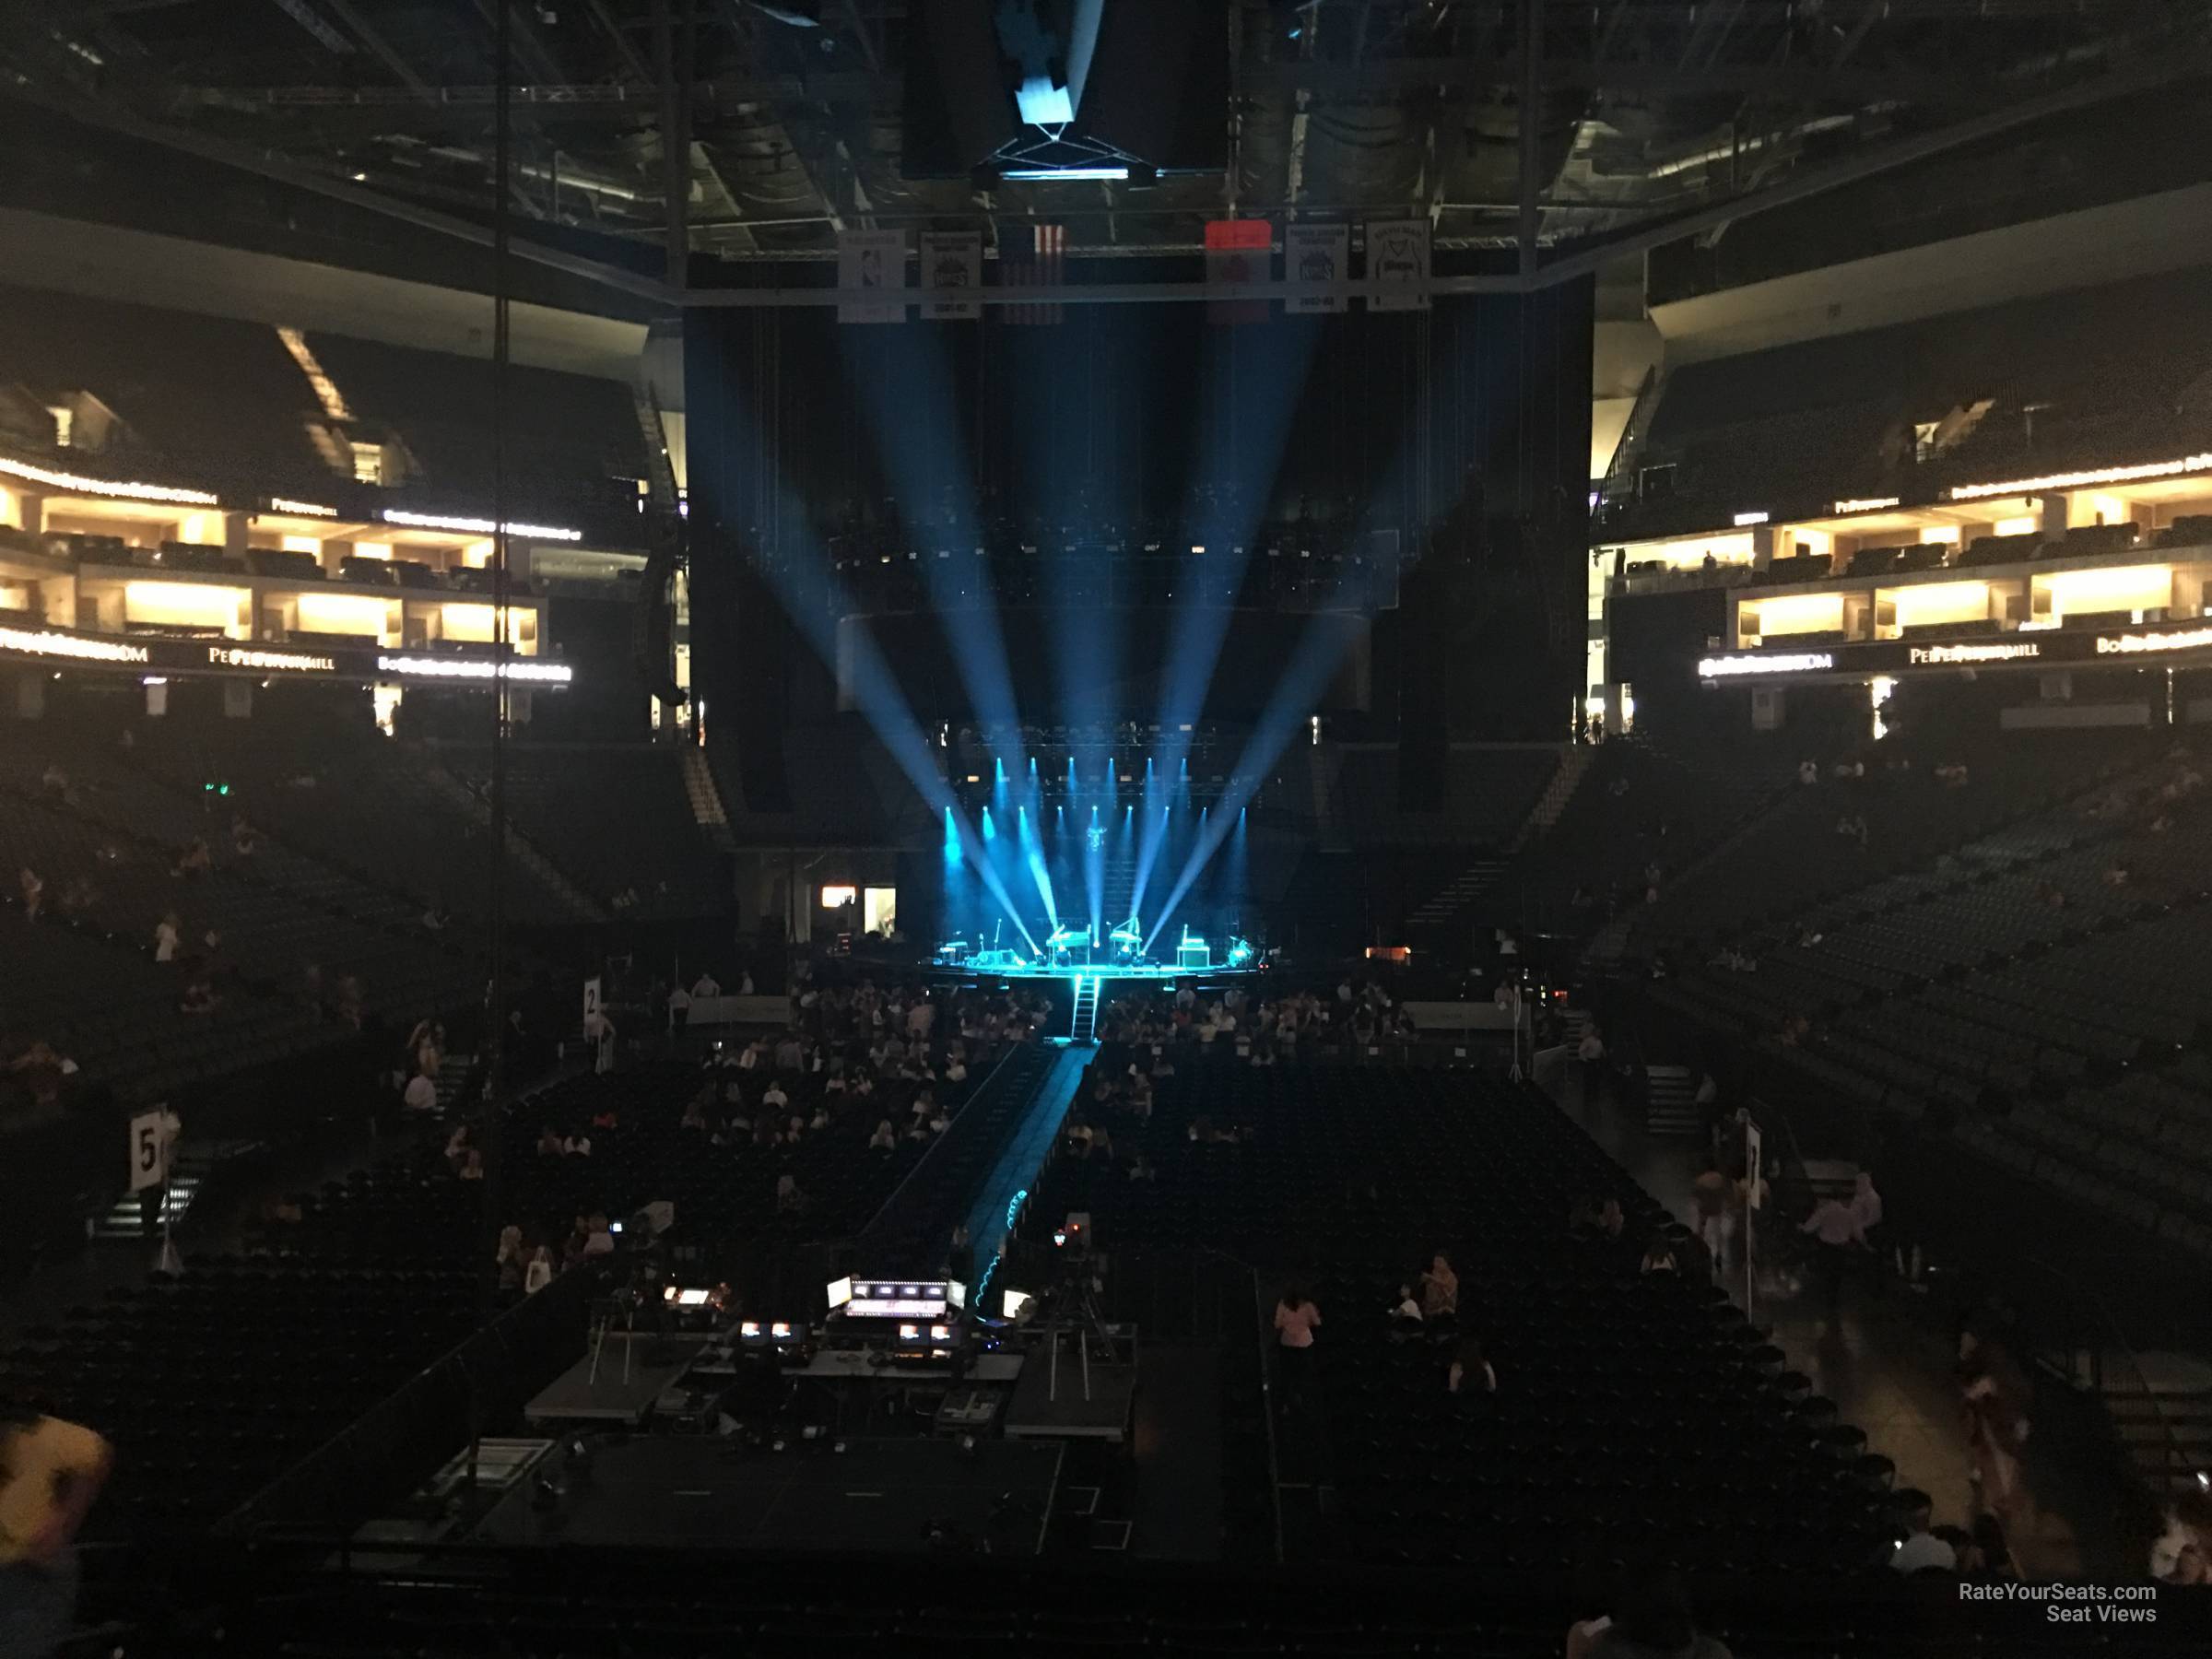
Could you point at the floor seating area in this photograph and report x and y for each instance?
(615, 821)
(264, 1355)
(409, 1208)
(1637, 1419)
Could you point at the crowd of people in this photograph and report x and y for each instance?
(862, 1071)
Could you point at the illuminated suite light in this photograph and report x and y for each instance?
(2082, 480)
(343, 613)
(182, 604)
(1749, 518)
(1866, 504)
(1973, 653)
(105, 486)
(1797, 613)
(2131, 587)
(476, 527)
(476, 623)
(40, 643)
(547, 673)
(1799, 663)
(301, 509)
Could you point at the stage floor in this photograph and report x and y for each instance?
(878, 1496)
(618, 1393)
(1106, 973)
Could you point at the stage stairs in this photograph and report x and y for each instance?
(1085, 1029)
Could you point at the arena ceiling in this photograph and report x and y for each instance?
(1654, 119)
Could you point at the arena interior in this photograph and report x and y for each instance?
(1105, 827)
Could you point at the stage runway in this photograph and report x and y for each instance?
(879, 1496)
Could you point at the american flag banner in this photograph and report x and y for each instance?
(1046, 267)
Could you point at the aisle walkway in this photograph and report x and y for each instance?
(1885, 1369)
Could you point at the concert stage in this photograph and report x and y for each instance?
(1104, 973)
(878, 1496)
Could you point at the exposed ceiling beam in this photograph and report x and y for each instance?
(632, 58)
(2127, 82)
(402, 71)
(93, 112)
(1376, 77)
(528, 47)
(301, 13)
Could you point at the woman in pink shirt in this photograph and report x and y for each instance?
(1296, 1320)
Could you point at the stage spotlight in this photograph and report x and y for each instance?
(989, 830)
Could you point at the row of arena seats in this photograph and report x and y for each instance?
(615, 821)
(211, 1384)
(208, 559)
(105, 845)
(275, 911)
(1369, 1171)
(1796, 854)
(1638, 802)
(431, 843)
(1487, 794)
(2063, 1039)
(626, 1607)
(107, 1005)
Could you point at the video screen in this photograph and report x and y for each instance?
(896, 1298)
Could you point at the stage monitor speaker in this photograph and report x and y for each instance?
(1158, 83)
(958, 106)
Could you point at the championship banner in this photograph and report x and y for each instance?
(1238, 250)
(1397, 264)
(1316, 253)
(952, 259)
(1044, 267)
(872, 259)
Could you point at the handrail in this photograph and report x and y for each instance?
(2174, 1454)
(1275, 1465)
(1631, 431)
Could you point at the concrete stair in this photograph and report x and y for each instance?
(705, 796)
(2167, 1432)
(1670, 1105)
(1575, 760)
(1459, 894)
(587, 908)
(189, 1171)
